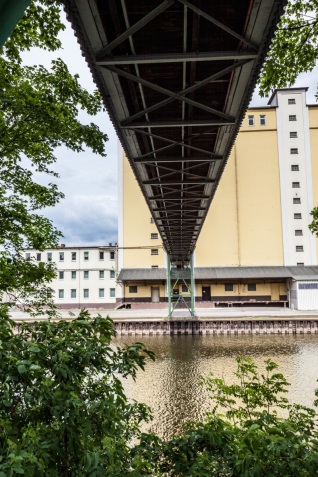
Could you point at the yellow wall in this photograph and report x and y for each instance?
(138, 227)
(243, 226)
(143, 290)
(241, 289)
(313, 124)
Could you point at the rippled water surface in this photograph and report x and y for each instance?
(170, 384)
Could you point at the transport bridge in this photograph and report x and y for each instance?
(176, 77)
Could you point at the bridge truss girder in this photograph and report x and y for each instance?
(176, 77)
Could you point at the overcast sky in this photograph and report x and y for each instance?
(88, 214)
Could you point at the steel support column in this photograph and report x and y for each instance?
(180, 276)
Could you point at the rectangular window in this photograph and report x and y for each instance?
(73, 256)
(101, 274)
(298, 232)
(86, 274)
(294, 150)
(151, 220)
(295, 167)
(185, 289)
(112, 273)
(154, 251)
(101, 255)
(251, 286)
(262, 120)
(61, 275)
(299, 264)
(308, 286)
(154, 266)
(250, 120)
(112, 292)
(86, 293)
(291, 101)
(61, 256)
(38, 257)
(28, 255)
(133, 289)
(228, 287)
(101, 292)
(296, 200)
(293, 134)
(297, 216)
(292, 117)
(154, 236)
(295, 185)
(112, 255)
(49, 256)
(61, 293)
(73, 275)
(73, 293)
(86, 256)
(299, 248)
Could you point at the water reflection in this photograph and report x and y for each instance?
(170, 385)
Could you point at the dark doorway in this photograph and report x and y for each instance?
(206, 294)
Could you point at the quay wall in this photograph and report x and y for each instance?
(217, 327)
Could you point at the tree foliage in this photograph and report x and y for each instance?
(63, 411)
(39, 111)
(294, 48)
(314, 224)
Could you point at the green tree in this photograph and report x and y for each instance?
(244, 434)
(63, 411)
(38, 113)
(294, 48)
(314, 224)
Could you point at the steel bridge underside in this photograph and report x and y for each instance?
(176, 77)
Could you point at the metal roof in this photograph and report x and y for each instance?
(225, 273)
(176, 77)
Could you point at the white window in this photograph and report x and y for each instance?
(299, 248)
(298, 232)
(112, 255)
(262, 119)
(294, 150)
(101, 274)
(101, 293)
(73, 274)
(38, 257)
(154, 251)
(73, 256)
(291, 101)
(297, 216)
(61, 256)
(294, 167)
(49, 256)
(250, 120)
(112, 292)
(295, 185)
(61, 293)
(101, 255)
(73, 293)
(293, 134)
(61, 275)
(296, 200)
(86, 274)
(154, 236)
(86, 256)
(112, 273)
(292, 117)
(28, 255)
(86, 293)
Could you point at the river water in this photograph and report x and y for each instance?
(170, 385)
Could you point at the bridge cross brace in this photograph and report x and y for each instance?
(180, 274)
